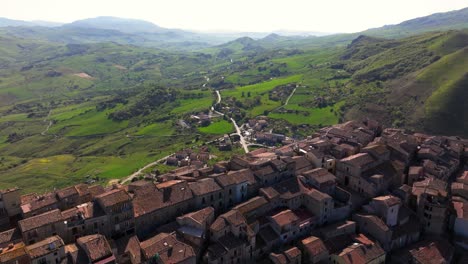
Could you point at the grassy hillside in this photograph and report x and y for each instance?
(417, 83)
(70, 112)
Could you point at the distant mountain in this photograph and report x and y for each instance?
(6, 22)
(144, 33)
(119, 24)
(285, 32)
(436, 22)
(42, 23)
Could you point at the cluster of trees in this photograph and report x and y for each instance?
(155, 98)
(110, 104)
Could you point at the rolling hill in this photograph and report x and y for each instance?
(89, 101)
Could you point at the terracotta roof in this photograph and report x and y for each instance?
(301, 162)
(251, 205)
(96, 247)
(9, 254)
(113, 197)
(320, 175)
(269, 192)
(293, 252)
(289, 188)
(245, 175)
(200, 216)
(233, 217)
(314, 245)
(376, 220)
(44, 247)
(463, 178)
(204, 186)
(133, 248)
(461, 209)
(268, 170)
(433, 252)
(39, 202)
(5, 191)
(318, 195)
(167, 249)
(72, 252)
(284, 218)
(82, 189)
(278, 258)
(415, 170)
(95, 190)
(86, 211)
(40, 220)
(9, 236)
(358, 160)
(166, 194)
(359, 253)
(377, 149)
(66, 192)
(431, 186)
(388, 200)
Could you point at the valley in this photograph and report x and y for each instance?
(90, 110)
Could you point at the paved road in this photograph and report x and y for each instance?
(219, 97)
(242, 140)
(218, 100)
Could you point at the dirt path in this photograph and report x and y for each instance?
(49, 125)
(289, 97)
(287, 100)
(138, 172)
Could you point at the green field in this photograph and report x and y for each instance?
(315, 116)
(125, 107)
(218, 128)
(261, 90)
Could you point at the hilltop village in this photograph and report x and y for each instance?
(350, 193)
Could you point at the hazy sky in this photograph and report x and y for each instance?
(236, 15)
